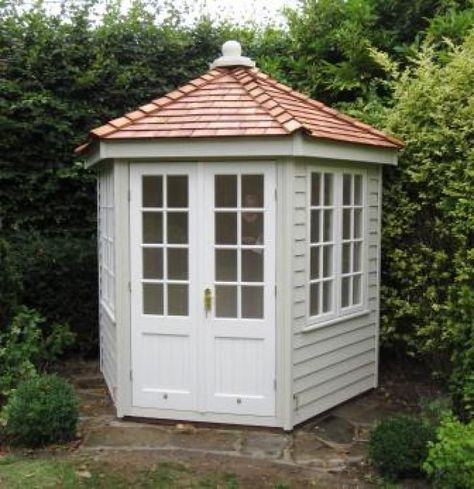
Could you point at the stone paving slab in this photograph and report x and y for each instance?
(264, 444)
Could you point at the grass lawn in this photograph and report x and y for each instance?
(45, 473)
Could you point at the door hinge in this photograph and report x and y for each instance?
(274, 384)
(129, 286)
(129, 195)
(276, 194)
(131, 374)
(275, 290)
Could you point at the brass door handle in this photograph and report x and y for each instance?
(207, 300)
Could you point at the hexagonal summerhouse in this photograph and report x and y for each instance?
(239, 251)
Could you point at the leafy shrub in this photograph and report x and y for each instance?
(42, 410)
(27, 345)
(450, 461)
(398, 446)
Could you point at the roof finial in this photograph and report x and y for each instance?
(232, 56)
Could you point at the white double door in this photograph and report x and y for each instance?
(203, 287)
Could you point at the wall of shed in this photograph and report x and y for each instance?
(336, 362)
(107, 281)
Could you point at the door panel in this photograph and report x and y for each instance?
(240, 271)
(164, 336)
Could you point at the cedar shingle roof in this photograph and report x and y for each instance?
(238, 101)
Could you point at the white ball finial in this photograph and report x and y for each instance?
(232, 48)
(232, 56)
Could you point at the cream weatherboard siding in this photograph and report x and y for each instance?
(106, 264)
(337, 360)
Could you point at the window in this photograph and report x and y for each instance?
(336, 243)
(105, 189)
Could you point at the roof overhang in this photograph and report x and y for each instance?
(297, 145)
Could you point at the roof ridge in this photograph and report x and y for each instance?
(157, 104)
(286, 120)
(324, 108)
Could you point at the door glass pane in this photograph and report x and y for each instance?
(327, 296)
(252, 190)
(356, 289)
(252, 228)
(152, 227)
(226, 301)
(328, 189)
(225, 190)
(177, 300)
(358, 189)
(357, 260)
(177, 263)
(177, 227)
(314, 266)
(314, 299)
(346, 190)
(153, 263)
(152, 191)
(153, 299)
(226, 228)
(346, 224)
(346, 258)
(327, 261)
(357, 223)
(315, 189)
(252, 265)
(315, 226)
(252, 302)
(345, 291)
(226, 265)
(327, 225)
(177, 191)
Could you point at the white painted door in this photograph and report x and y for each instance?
(203, 278)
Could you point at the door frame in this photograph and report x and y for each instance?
(283, 248)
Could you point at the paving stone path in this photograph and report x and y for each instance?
(331, 443)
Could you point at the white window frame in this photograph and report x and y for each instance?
(106, 240)
(338, 313)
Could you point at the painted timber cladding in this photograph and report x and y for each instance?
(106, 257)
(338, 361)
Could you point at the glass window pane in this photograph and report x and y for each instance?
(153, 299)
(328, 225)
(226, 301)
(177, 191)
(328, 189)
(346, 223)
(252, 190)
(177, 300)
(314, 299)
(225, 190)
(314, 262)
(226, 265)
(152, 191)
(346, 190)
(177, 263)
(358, 189)
(226, 228)
(252, 265)
(153, 263)
(315, 226)
(327, 261)
(315, 189)
(177, 227)
(357, 223)
(153, 227)
(356, 289)
(252, 302)
(346, 258)
(252, 228)
(345, 291)
(327, 295)
(357, 258)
